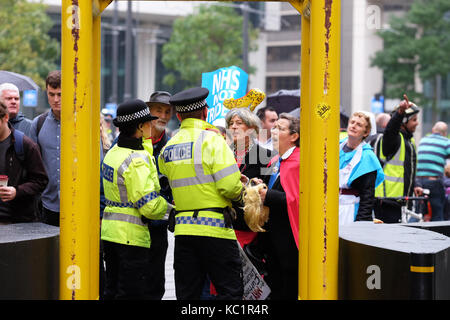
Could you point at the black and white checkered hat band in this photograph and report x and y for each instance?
(190, 107)
(133, 116)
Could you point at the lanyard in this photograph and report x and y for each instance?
(275, 174)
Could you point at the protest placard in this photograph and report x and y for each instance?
(223, 83)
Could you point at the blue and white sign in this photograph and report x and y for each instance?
(30, 98)
(110, 108)
(224, 83)
(377, 105)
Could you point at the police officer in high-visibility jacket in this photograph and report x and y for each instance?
(205, 180)
(396, 151)
(131, 189)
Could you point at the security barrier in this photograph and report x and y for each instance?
(442, 227)
(393, 261)
(29, 261)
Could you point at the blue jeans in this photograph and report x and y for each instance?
(436, 197)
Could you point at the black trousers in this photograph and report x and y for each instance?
(388, 213)
(156, 277)
(50, 217)
(126, 268)
(197, 256)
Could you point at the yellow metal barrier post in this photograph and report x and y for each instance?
(95, 137)
(324, 162)
(79, 256)
(305, 149)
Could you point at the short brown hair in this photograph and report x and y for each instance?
(53, 79)
(294, 125)
(3, 110)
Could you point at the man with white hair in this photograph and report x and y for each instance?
(10, 96)
(433, 152)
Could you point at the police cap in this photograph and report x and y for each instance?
(132, 112)
(189, 100)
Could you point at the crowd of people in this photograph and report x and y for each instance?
(393, 168)
(193, 182)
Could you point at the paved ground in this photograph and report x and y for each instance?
(170, 282)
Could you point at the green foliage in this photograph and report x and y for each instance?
(25, 46)
(203, 42)
(418, 41)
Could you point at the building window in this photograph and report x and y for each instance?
(273, 84)
(291, 22)
(284, 53)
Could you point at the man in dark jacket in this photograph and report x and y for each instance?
(395, 147)
(160, 107)
(10, 96)
(26, 177)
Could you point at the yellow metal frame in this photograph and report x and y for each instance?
(80, 139)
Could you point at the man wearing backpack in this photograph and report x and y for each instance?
(46, 132)
(21, 163)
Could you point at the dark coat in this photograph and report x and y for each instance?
(282, 253)
(28, 177)
(365, 185)
(254, 165)
(391, 212)
(391, 144)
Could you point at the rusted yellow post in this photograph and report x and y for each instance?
(95, 174)
(79, 255)
(305, 113)
(324, 156)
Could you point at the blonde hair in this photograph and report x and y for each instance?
(365, 117)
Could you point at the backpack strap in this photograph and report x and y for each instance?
(40, 122)
(18, 144)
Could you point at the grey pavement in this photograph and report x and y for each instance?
(170, 281)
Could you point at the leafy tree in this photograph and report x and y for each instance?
(417, 42)
(202, 42)
(25, 46)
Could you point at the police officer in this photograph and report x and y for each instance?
(131, 190)
(396, 151)
(205, 180)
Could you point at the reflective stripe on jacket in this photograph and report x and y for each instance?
(202, 173)
(131, 189)
(394, 171)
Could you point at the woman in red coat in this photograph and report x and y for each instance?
(281, 196)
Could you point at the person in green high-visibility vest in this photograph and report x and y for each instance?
(397, 153)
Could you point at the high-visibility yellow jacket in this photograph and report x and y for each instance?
(131, 187)
(202, 173)
(394, 171)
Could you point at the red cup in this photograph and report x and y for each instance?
(3, 180)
